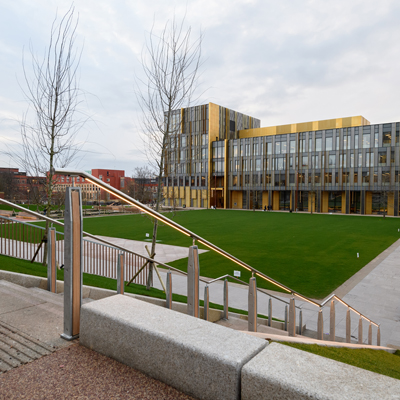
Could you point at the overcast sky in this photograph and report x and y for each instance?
(282, 62)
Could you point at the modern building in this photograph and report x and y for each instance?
(224, 159)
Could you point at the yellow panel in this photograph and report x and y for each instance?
(390, 204)
(368, 202)
(181, 192)
(204, 194)
(275, 201)
(325, 202)
(344, 203)
(305, 126)
(194, 193)
(311, 202)
(236, 199)
(265, 199)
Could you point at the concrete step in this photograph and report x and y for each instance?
(18, 348)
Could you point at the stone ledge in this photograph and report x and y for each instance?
(283, 372)
(199, 358)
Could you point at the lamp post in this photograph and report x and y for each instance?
(28, 196)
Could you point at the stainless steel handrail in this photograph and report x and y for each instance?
(245, 283)
(191, 234)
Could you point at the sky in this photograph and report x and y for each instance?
(282, 62)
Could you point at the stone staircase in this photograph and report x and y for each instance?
(31, 321)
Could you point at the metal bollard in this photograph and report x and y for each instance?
(193, 282)
(168, 291)
(252, 305)
(206, 303)
(120, 273)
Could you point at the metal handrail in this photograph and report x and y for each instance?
(245, 283)
(175, 226)
(194, 236)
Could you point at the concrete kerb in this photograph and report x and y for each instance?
(282, 372)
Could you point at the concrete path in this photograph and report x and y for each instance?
(164, 253)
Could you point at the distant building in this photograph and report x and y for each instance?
(219, 157)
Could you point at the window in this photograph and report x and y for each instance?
(318, 144)
(328, 143)
(366, 140)
(351, 160)
(382, 158)
(247, 149)
(280, 163)
(337, 141)
(269, 148)
(283, 147)
(183, 141)
(387, 135)
(277, 147)
(376, 139)
(235, 150)
(258, 164)
(332, 161)
(356, 141)
(255, 149)
(310, 144)
(305, 162)
(292, 146)
(360, 159)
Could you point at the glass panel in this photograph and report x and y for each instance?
(292, 146)
(366, 140)
(328, 143)
(318, 144)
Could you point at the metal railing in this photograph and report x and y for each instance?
(206, 243)
(22, 240)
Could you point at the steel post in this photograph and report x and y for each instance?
(360, 331)
(252, 305)
(120, 273)
(320, 329)
(292, 317)
(226, 299)
(348, 326)
(193, 282)
(72, 263)
(206, 303)
(51, 261)
(270, 312)
(332, 322)
(168, 292)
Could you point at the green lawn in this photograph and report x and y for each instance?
(373, 360)
(312, 254)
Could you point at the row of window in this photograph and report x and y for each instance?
(347, 178)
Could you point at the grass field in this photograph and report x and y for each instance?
(312, 254)
(373, 360)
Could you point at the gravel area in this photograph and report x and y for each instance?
(76, 372)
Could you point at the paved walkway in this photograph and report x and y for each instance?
(31, 321)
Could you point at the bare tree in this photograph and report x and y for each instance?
(54, 97)
(171, 63)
